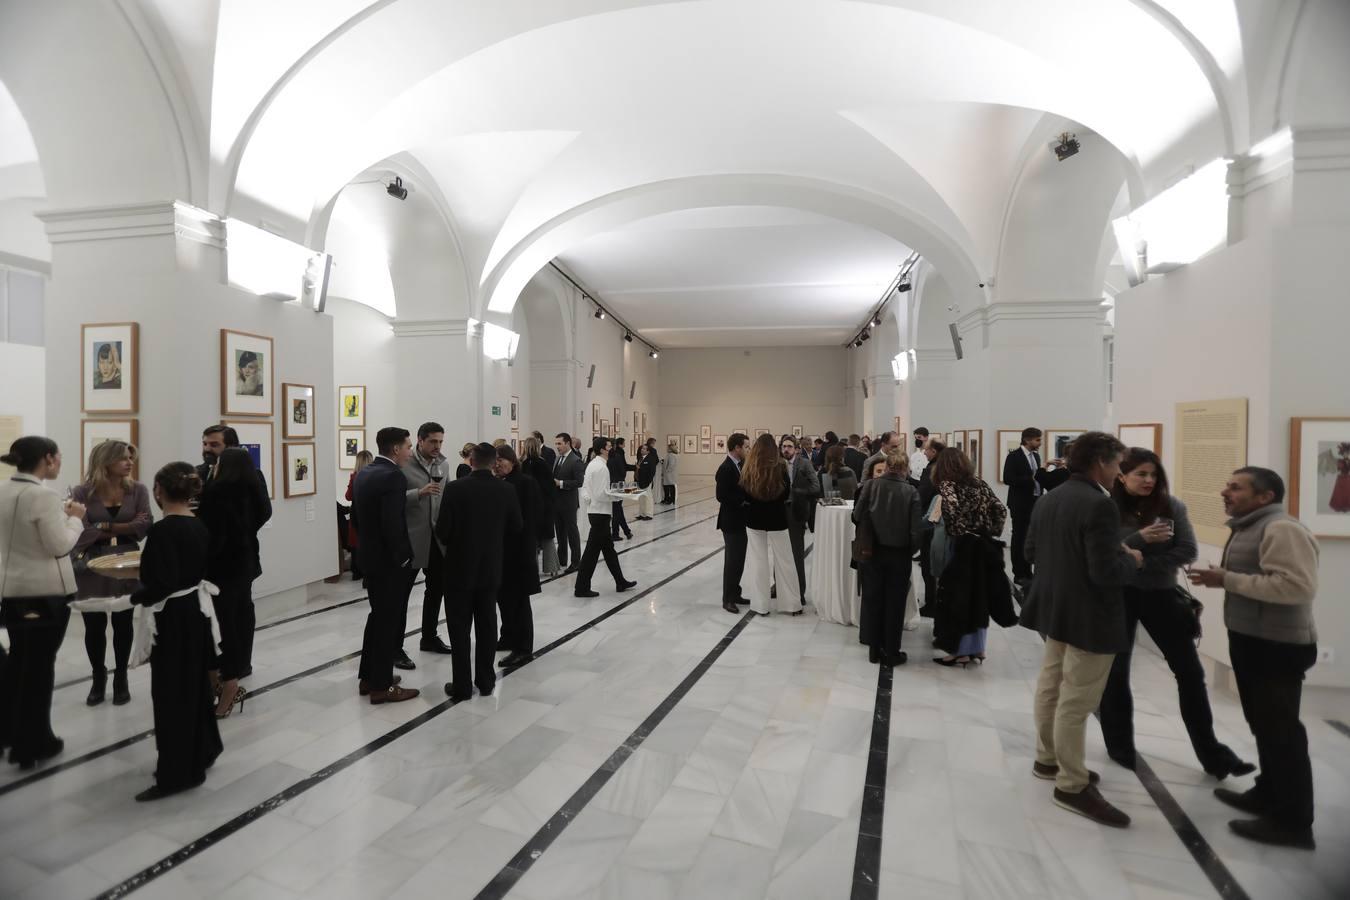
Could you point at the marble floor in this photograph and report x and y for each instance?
(660, 748)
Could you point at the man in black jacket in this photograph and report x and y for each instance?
(385, 554)
(802, 500)
(618, 471)
(477, 515)
(854, 458)
(731, 521)
(569, 472)
(1023, 473)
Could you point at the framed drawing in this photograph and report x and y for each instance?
(299, 462)
(705, 432)
(719, 443)
(798, 431)
(351, 441)
(604, 428)
(618, 415)
(759, 431)
(595, 418)
(246, 367)
(644, 423)
(256, 438)
(1009, 439)
(637, 421)
(672, 440)
(897, 424)
(352, 406)
(109, 367)
(1319, 474)
(1148, 436)
(1057, 441)
(297, 417)
(960, 438)
(11, 429)
(691, 443)
(705, 445)
(95, 431)
(515, 413)
(974, 443)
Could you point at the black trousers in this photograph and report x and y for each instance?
(667, 494)
(929, 608)
(599, 541)
(1021, 521)
(388, 597)
(433, 594)
(885, 586)
(733, 564)
(37, 625)
(474, 610)
(236, 628)
(248, 624)
(96, 639)
(618, 522)
(517, 620)
(568, 534)
(187, 736)
(1165, 621)
(797, 538)
(1270, 684)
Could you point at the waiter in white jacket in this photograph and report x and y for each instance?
(597, 499)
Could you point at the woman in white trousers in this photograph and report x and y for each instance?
(764, 478)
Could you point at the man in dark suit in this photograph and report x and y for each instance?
(731, 521)
(618, 471)
(477, 515)
(379, 509)
(545, 451)
(1023, 473)
(805, 489)
(854, 458)
(569, 472)
(1077, 604)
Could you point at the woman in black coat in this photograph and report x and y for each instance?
(520, 575)
(535, 466)
(230, 510)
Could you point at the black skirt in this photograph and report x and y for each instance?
(186, 734)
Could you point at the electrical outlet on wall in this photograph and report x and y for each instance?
(1326, 655)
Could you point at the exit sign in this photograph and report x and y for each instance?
(496, 410)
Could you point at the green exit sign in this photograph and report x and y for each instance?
(496, 410)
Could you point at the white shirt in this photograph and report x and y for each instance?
(918, 461)
(595, 492)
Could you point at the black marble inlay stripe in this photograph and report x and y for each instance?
(48, 771)
(216, 835)
(867, 859)
(1339, 726)
(551, 830)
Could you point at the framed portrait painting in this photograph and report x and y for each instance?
(95, 431)
(352, 406)
(246, 367)
(297, 415)
(798, 431)
(691, 443)
(299, 461)
(1319, 474)
(256, 438)
(351, 441)
(109, 366)
(719, 443)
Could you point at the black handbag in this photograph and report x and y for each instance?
(1189, 610)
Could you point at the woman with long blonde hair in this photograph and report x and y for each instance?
(768, 556)
(116, 518)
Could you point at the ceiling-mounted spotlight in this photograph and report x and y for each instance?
(1066, 147)
(654, 354)
(876, 320)
(903, 286)
(866, 336)
(628, 336)
(599, 313)
(396, 189)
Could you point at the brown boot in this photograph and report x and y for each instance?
(1090, 804)
(363, 688)
(395, 694)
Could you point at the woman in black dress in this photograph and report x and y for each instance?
(230, 510)
(533, 465)
(174, 560)
(520, 574)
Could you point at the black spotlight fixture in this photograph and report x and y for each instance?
(1067, 146)
(654, 354)
(876, 320)
(866, 336)
(599, 313)
(396, 189)
(903, 286)
(628, 336)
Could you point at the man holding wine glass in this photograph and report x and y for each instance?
(426, 471)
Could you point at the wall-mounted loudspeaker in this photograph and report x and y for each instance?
(863, 382)
(956, 340)
(590, 379)
(632, 391)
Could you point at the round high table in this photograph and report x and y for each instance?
(833, 584)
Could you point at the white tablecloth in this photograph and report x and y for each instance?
(833, 583)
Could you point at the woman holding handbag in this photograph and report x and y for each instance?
(37, 581)
(1155, 523)
(886, 511)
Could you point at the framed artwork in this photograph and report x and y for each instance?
(352, 406)
(595, 418)
(644, 423)
(812, 438)
(1057, 441)
(109, 367)
(974, 445)
(297, 417)
(719, 443)
(691, 443)
(947, 439)
(256, 438)
(705, 445)
(759, 431)
(604, 428)
(11, 429)
(798, 431)
(1319, 474)
(705, 432)
(672, 440)
(299, 461)
(515, 413)
(960, 438)
(95, 431)
(897, 424)
(1009, 439)
(637, 421)
(246, 367)
(1148, 436)
(351, 441)
(618, 415)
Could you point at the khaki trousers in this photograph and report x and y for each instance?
(1069, 689)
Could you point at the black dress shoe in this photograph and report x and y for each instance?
(517, 658)
(1264, 831)
(1229, 764)
(457, 697)
(1125, 758)
(628, 534)
(873, 655)
(625, 586)
(899, 659)
(41, 755)
(743, 602)
(1247, 801)
(155, 792)
(585, 595)
(402, 661)
(731, 608)
(487, 691)
(436, 645)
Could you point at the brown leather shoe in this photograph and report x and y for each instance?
(363, 688)
(395, 694)
(1050, 772)
(1090, 804)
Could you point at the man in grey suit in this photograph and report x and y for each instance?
(425, 470)
(805, 490)
(568, 474)
(1076, 602)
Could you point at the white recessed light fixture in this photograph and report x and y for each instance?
(902, 366)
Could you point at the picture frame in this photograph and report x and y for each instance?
(257, 439)
(644, 423)
(1009, 439)
(705, 445)
(798, 431)
(690, 443)
(1056, 439)
(11, 429)
(1148, 435)
(705, 432)
(299, 462)
(719, 443)
(351, 441)
(247, 374)
(352, 406)
(759, 431)
(960, 440)
(515, 413)
(897, 424)
(604, 428)
(618, 415)
(637, 420)
(974, 449)
(672, 440)
(297, 411)
(1319, 474)
(95, 431)
(110, 367)
(595, 418)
